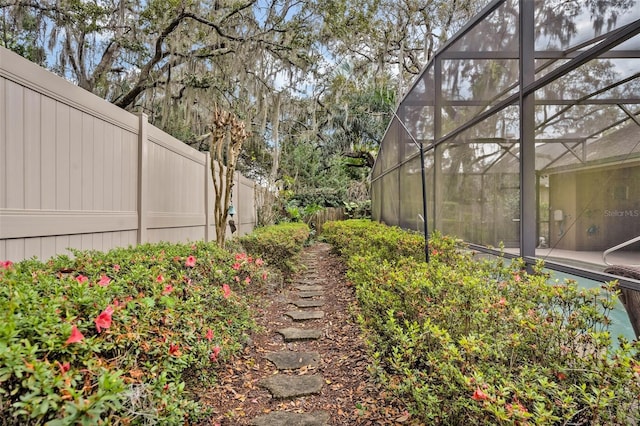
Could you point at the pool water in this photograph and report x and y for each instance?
(620, 324)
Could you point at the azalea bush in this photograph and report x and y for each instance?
(279, 245)
(351, 237)
(485, 342)
(124, 337)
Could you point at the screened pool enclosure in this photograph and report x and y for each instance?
(529, 124)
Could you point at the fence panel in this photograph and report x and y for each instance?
(176, 189)
(326, 215)
(77, 171)
(246, 204)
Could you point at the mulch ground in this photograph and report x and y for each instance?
(349, 393)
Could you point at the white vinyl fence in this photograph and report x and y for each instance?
(79, 172)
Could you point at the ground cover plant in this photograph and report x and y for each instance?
(279, 245)
(472, 342)
(122, 337)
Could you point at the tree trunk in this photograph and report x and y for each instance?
(275, 123)
(630, 298)
(227, 137)
(631, 301)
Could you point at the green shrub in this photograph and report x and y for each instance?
(357, 209)
(279, 245)
(357, 236)
(476, 343)
(119, 337)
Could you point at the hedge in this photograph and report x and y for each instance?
(279, 245)
(122, 337)
(485, 342)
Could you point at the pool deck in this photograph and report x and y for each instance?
(629, 258)
(592, 259)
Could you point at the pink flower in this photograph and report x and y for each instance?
(191, 262)
(478, 395)
(174, 349)
(6, 264)
(502, 301)
(168, 289)
(104, 281)
(116, 268)
(259, 262)
(247, 280)
(104, 319)
(159, 278)
(226, 291)
(81, 279)
(264, 276)
(64, 367)
(237, 278)
(241, 256)
(517, 277)
(75, 336)
(209, 335)
(214, 354)
(249, 259)
(236, 266)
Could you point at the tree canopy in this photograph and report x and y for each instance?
(314, 81)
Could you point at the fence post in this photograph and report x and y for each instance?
(143, 186)
(207, 199)
(236, 194)
(254, 207)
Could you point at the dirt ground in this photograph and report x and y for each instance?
(349, 394)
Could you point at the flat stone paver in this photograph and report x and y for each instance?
(309, 287)
(292, 334)
(307, 303)
(290, 360)
(307, 294)
(282, 386)
(305, 315)
(284, 418)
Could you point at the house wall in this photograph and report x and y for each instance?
(562, 198)
(609, 200)
(79, 172)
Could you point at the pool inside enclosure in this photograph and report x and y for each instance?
(528, 125)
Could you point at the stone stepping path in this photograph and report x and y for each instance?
(317, 418)
(283, 386)
(305, 315)
(290, 360)
(308, 294)
(293, 379)
(309, 288)
(306, 303)
(292, 334)
(310, 278)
